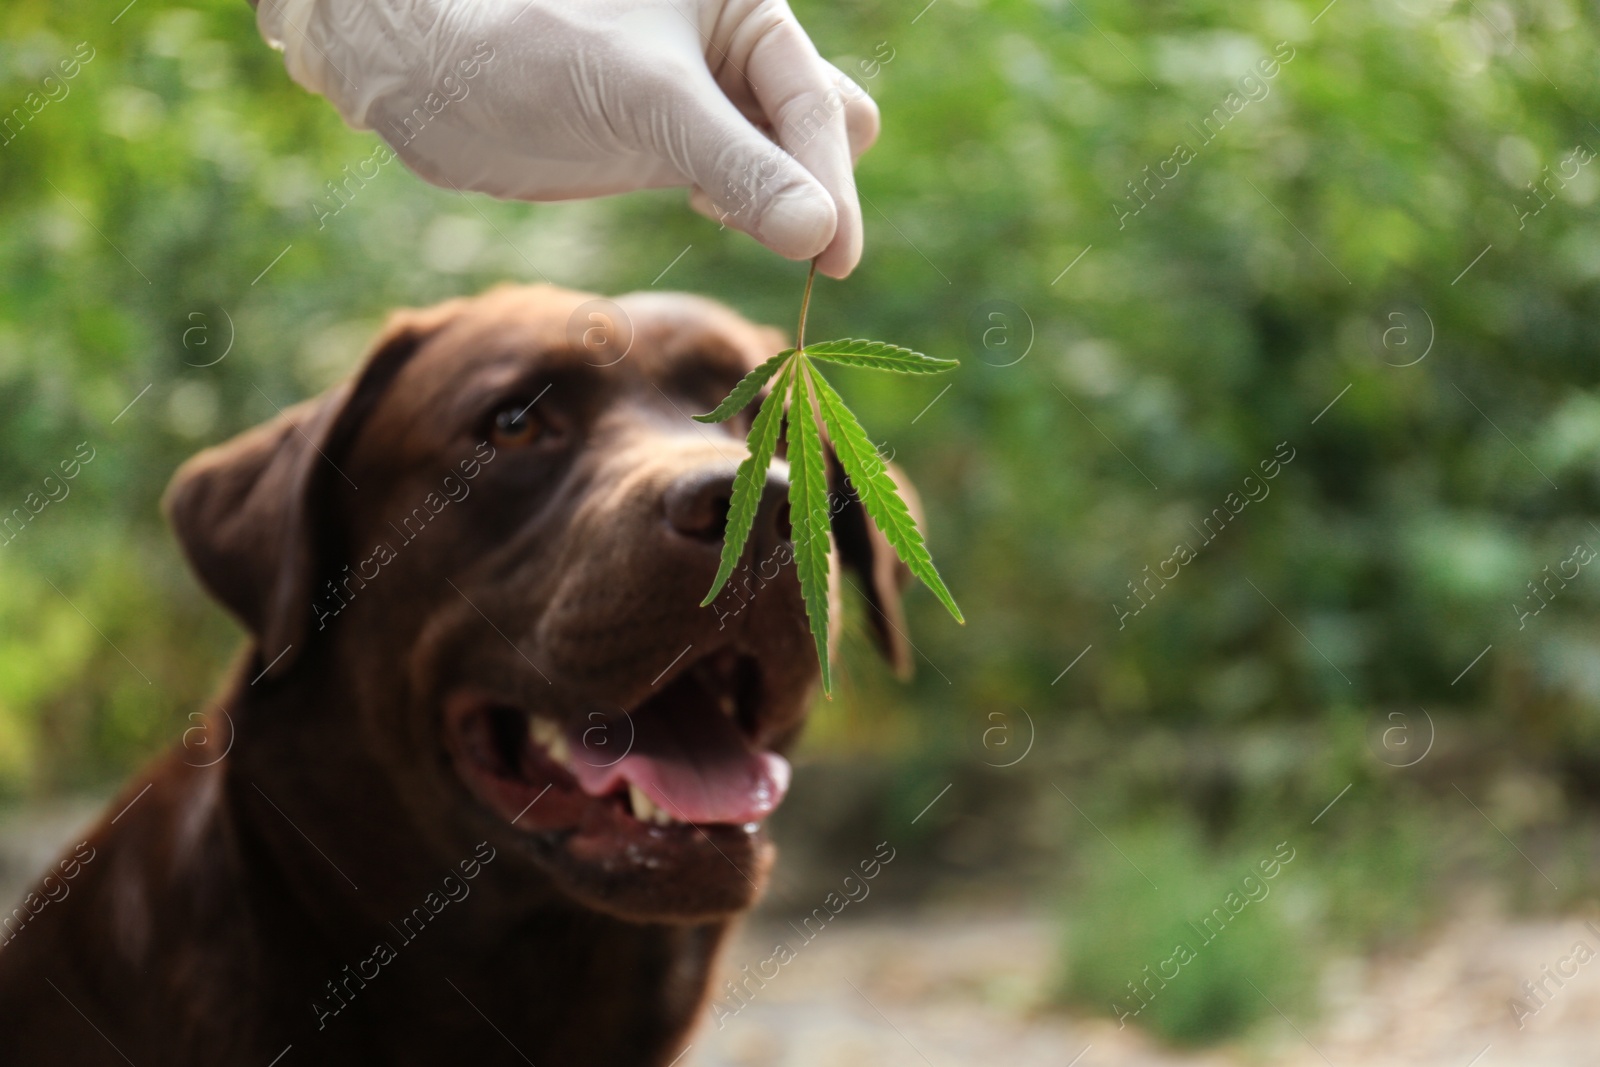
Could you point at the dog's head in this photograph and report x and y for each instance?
(495, 539)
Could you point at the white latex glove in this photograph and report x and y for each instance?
(558, 99)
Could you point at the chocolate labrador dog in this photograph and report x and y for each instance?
(487, 785)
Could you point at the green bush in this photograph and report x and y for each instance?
(1185, 942)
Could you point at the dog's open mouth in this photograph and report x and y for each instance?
(686, 758)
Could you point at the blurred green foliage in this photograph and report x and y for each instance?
(1173, 937)
(1369, 202)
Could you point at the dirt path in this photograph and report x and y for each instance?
(946, 991)
(958, 988)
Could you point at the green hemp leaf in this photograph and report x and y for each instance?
(796, 382)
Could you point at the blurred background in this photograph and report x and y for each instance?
(1268, 485)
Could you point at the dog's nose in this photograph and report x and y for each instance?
(697, 506)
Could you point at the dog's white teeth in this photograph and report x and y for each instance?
(645, 810)
(552, 738)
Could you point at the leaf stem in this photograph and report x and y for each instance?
(805, 305)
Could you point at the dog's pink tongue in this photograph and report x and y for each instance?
(691, 760)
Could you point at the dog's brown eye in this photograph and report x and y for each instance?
(515, 424)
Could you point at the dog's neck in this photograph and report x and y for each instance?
(338, 865)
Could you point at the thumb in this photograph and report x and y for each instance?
(752, 184)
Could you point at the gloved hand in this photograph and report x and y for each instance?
(557, 99)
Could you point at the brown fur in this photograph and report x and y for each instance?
(219, 905)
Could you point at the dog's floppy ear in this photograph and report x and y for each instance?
(248, 513)
(878, 571)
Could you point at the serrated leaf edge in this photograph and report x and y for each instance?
(878, 493)
(748, 481)
(808, 471)
(879, 355)
(745, 391)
